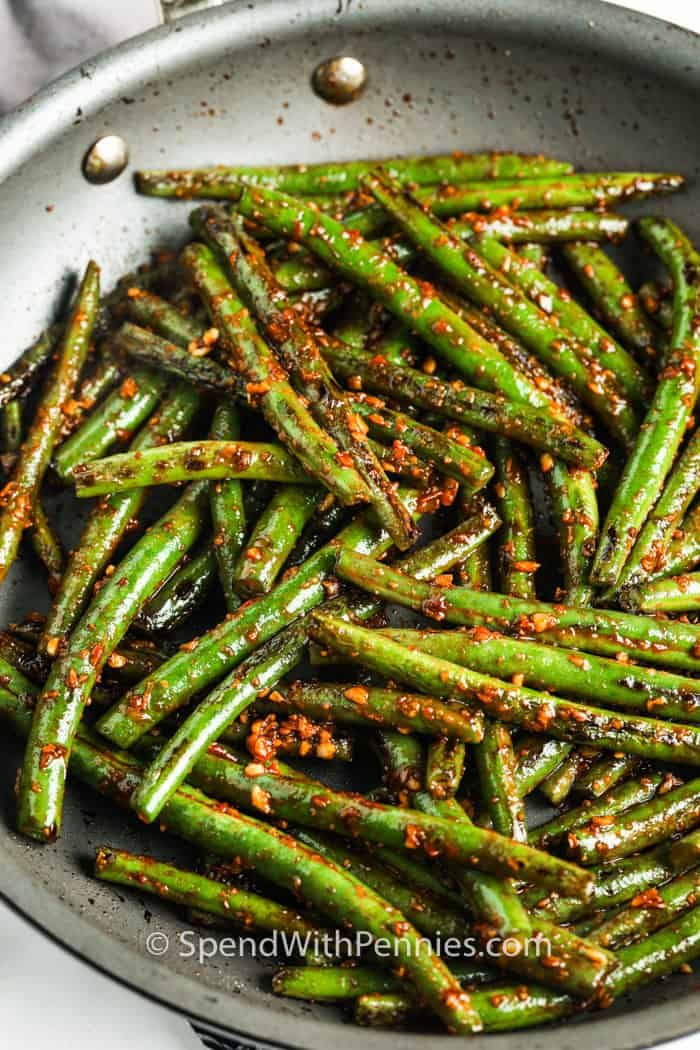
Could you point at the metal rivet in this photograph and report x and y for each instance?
(106, 159)
(339, 80)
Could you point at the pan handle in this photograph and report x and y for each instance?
(171, 10)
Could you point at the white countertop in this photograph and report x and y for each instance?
(80, 1008)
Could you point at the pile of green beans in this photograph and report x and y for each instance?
(253, 587)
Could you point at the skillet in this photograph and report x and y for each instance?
(602, 86)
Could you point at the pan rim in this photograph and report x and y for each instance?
(196, 39)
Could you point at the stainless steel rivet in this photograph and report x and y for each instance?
(106, 159)
(339, 80)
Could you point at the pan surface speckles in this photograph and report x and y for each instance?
(604, 87)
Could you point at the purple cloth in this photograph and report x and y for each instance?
(41, 38)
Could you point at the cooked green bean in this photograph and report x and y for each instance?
(303, 273)
(339, 177)
(569, 673)
(297, 345)
(669, 643)
(108, 522)
(616, 800)
(668, 415)
(20, 493)
(681, 488)
(517, 556)
(266, 383)
(115, 419)
(181, 594)
(273, 538)
(510, 703)
(188, 461)
(611, 295)
(646, 824)
(219, 650)
(531, 426)
(248, 910)
(103, 625)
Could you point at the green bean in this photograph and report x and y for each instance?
(304, 272)
(531, 426)
(468, 270)
(174, 762)
(403, 761)
(187, 461)
(21, 376)
(276, 856)
(267, 386)
(245, 909)
(273, 538)
(328, 518)
(684, 551)
(225, 496)
(475, 569)
(11, 433)
(557, 787)
(560, 306)
(21, 655)
(21, 492)
(202, 372)
(328, 178)
(312, 804)
(108, 522)
(181, 594)
(656, 300)
(444, 767)
(509, 1007)
(572, 191)
(668, 415)
(648, 553)
(114, 420)
(517, 705)
(495, 761)
(227, 508)
(453, 547)
(13, 680)
(605, 772)
(603, 631)
(336, 983)
(517, 555)
(580, 967)
(103, 625)
(534, 253)
(615, 801)
(428, 913)
(98, 384)
(453, 458)
(358, 705)
(220, 649)
(575, 511)
(150, 311)
(47, 546)
(686, 851)
(614, 884)
(635, 688)
(297, 345)
(612, 296)
(537, 758)
(408, 299)
(518, 354)
(644, 825)
(650, 911)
